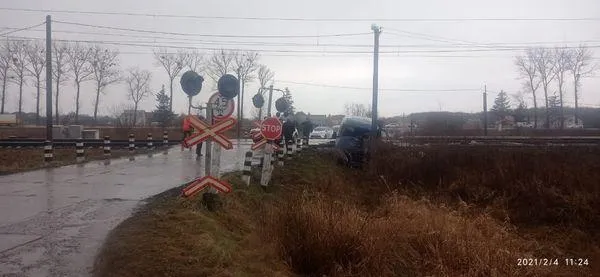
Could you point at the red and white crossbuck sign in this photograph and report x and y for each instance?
(201, 183)
(261, 142)
(207, 131)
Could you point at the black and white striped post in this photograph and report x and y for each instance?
(48, 153)
(299, 145)
(131, 144)
(165, 139)
(289, 149)
(280, 153)
(131, 147)
(255, 157)
(80, 152)
(261, 161)
(106, 146)
(305, 142)
(149, 143)
(293, 143)
(273, 155)
(247, 172)
(165, 143)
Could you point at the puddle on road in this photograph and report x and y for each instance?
(114, 199)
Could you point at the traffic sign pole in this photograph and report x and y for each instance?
(267, 166)
(208, 156)
(219, 110)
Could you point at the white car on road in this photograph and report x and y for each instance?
(322, 132)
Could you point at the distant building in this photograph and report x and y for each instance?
(318, 119)
(335, 119)
(508, 122)
(126, 118)
(472, 124)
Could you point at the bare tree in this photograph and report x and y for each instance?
(36, 56)
(138, 88)
(195, 61)
(60, 70)
(19, 64)
(580, 67)
(355, 109)
(562, 62)
(5, 70)
(173, 63)
(105, 71)
(219, 64)
(265, 76)
(545, 63)
(246, 65)
(78, 59)
(526, 66)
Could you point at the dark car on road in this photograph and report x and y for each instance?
(352, 140)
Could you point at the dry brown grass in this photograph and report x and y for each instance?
(402, 238)
(172, 236)
(355, 224)
(423, 212)
(541, 189)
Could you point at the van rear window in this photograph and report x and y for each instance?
(349, 131)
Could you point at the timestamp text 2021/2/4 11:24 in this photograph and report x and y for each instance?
(552, 261)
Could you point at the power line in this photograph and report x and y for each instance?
(208, 35)
(156, 15)
(490, 49)
(383, 89)
(428, 37)
(316, 44)
(22, 29)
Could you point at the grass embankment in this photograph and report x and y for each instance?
(25, 159)
(422, 212)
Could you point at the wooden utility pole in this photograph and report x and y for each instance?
(270, 99)
(376, 31)
(576, 102)
(48, 78)
(485, 116)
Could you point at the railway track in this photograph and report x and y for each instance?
(86, 142)
(490, 140)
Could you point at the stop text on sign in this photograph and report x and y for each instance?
(271, 128)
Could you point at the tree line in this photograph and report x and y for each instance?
(23, 63)
(551, 70)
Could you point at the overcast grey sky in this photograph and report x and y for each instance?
(400, 66)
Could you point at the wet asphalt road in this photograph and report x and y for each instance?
(53, 221)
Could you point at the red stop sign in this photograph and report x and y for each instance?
(271, 128)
